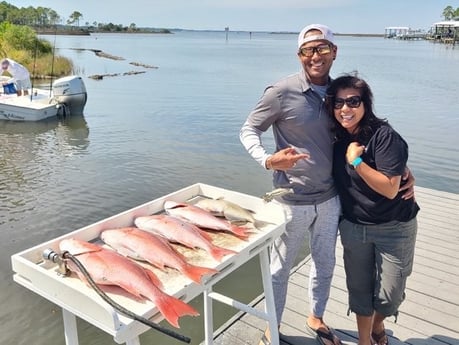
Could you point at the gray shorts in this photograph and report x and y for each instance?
(378, 259)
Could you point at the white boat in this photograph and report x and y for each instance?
(67, 96)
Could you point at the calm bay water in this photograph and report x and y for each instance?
(146, 135)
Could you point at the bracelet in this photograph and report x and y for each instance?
(355, 163)
(268, 164)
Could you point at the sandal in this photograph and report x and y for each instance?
(325, 336)
(264, 340)
(380, 338)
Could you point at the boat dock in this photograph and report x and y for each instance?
(428, 316)
(403, 33)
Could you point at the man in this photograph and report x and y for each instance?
(20, 74)
(294, 107)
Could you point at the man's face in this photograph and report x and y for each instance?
(318, 65)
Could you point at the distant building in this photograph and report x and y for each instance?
(446, 31)
(403, 33)
(394, 31)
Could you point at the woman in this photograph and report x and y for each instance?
(378, 228)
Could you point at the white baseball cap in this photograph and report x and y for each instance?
(327, 34)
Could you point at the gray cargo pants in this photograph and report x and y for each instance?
(320, 222)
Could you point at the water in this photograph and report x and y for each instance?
(146, 135)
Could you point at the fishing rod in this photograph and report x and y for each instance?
(52, 62)
(34, 64)
(51, 255)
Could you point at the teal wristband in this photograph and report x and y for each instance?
(356, 162)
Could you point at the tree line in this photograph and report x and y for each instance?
(42, 18)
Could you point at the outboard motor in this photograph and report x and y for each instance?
(70, 93)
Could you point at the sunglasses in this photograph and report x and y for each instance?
(323, 49)
(351, 102)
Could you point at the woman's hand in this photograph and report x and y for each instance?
(354, 150)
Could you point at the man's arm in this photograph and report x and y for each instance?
(251, 139)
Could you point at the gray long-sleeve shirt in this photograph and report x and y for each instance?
(298, 119)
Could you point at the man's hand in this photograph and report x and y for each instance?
(408, 187)
(285, 159)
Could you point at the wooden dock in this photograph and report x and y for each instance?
(428, 316)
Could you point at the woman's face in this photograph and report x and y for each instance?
(348, 108)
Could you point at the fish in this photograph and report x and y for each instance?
(227, 209)
(179, 231)
(278, 192)
(106, 267)
(145, 246)
(203, 219)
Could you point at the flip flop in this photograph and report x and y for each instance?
(380, 338)
(264, 340)
(325, 335)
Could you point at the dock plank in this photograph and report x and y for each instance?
(428, 316)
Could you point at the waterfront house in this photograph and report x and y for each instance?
(445, 31)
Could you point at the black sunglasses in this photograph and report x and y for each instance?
(351, 102)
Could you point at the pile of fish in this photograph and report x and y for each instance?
(150, 241)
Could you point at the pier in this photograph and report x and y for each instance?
(428, 316)
(404, 33)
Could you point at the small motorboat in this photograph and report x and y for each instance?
(67, 96)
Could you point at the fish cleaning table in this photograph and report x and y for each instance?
(78, 300)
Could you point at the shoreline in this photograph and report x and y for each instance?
(84, 32)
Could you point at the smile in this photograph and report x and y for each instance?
(347, 117)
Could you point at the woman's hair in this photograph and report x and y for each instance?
(369, 123)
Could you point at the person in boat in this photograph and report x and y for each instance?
(378, 226)
(20, 76)
(302, 163)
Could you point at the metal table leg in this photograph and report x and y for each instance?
(70, 328)
(270, 307)
(208, 317)
(134, 341)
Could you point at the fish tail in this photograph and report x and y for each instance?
(173, 308)
(240, 231)
(196, 273)
(218, 252)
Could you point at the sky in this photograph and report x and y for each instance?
(342, 16)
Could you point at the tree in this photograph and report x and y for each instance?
(448, 13)
(54, 18)
(132, 27)
(75, 18)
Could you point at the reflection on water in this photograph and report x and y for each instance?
(31, 152)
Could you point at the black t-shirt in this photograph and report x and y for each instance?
(387, 152)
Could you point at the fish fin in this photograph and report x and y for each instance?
(240, 231)
(196, 273)
(219, 252)
(154, 279)
(205, 234)
(173, 308)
